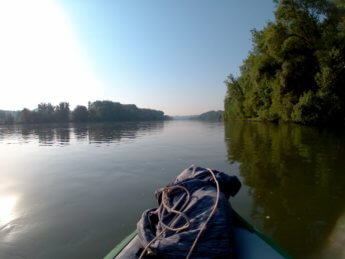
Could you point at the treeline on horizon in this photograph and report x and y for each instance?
(210, 116)
(98, 111)
(296, 68)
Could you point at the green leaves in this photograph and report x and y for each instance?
(296, 70)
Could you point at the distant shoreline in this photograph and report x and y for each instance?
(98, 111)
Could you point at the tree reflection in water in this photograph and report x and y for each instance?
(94, 133)
(296, 179)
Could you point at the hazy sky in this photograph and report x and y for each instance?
(171, 55)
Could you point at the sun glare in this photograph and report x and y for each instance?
(41, 58)
(7, 205)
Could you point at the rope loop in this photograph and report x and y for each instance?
(164, 206)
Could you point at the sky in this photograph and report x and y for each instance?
(170, 55)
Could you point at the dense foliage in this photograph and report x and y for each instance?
(96, 111)
(80, 113)
(46, 112)
(113, 111)
(296, 69)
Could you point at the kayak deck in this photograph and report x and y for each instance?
(250, 244)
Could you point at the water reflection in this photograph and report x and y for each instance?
(107, 133)
(62, 134)
(74, 197)
(335, 245)
(46, 135)
(79, 200)
(296, 178)
(81, 132)
(7, 213)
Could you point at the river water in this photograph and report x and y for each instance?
(75, 190)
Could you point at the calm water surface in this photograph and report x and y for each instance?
(74, 191)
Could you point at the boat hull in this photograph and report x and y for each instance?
(250, 244)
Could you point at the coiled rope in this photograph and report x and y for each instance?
(164, 206)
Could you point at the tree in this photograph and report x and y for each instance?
(26, 116)
(45, 112)
(296, 69)
(80, 113)
(114, 111)
(98, 111)
(62, 112)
